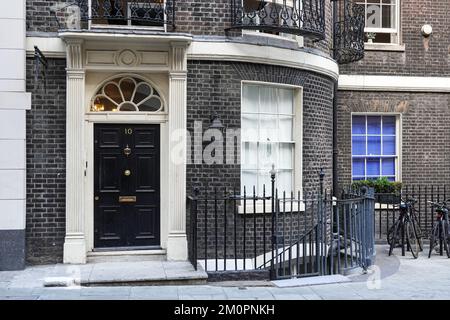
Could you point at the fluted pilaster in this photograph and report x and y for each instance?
(75, 244)
(177, 240)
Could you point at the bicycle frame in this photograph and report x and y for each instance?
(406, 217)
(443, 231)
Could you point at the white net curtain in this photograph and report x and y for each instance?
(267, 137)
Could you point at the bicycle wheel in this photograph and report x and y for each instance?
(419, 233)
(390, 234)
(394, 236)
(434, 238)
(445, 237)
(411, 239)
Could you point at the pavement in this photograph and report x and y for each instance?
(391, 278)
(132, 273)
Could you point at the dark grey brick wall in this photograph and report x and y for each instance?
(39, 17)
(216, 87)
(203, 17)
(425, 132)
(46, 150)
(415, 60)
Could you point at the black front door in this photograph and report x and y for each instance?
(127, 186)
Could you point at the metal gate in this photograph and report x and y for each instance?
(333, 235)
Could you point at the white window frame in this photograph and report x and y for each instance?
(128, 25)
(297, 154)
(398, 139)
(394, 32)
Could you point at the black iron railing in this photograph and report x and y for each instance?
(299, 17)
(134, 13)
(353, 230)
(285, 235)
(192, 234)
(387, 208)
(348, 31)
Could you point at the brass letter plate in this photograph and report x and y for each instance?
(127, 199)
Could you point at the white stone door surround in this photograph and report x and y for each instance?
(92, 52)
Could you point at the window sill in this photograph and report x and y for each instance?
(260, 208)
(384, 47)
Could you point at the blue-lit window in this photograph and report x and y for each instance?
(374, 147)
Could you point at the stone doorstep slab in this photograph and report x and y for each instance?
(136, 274)
(70, 282)
(311, 281)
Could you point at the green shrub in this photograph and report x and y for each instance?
(381, 185)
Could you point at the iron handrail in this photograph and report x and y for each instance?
(302, 238)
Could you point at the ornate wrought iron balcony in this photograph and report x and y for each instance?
(155, 14)
(299, 17)
(349, 31)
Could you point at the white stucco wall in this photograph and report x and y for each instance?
(13, 103)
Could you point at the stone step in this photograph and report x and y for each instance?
(129, 273)
(127, 256)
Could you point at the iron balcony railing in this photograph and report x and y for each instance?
(155, 14)
(348, 31)
(299, 17)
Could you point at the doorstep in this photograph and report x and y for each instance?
(126, 256)
(128, 273)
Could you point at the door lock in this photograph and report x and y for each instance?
(97, 198)
(127, 173)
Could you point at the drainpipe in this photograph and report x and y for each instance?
(335, 149)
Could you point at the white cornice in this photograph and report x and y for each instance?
(394, 83)
(241, 52)
(55, 47)
(126, 37)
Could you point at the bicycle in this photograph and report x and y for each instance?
(407, 227)
(441, 230)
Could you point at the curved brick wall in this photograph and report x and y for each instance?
(216, 87)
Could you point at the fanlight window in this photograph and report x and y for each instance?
(127, 94)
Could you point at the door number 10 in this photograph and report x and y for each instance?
(128, 131)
